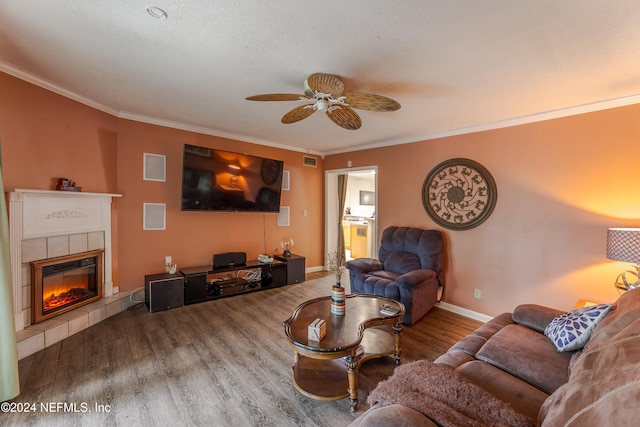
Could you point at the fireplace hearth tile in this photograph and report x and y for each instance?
(29, 341)
(55, 334)
(47, 324)
(97, 315)
(113, 308)
(78, 324)
(78, 319)
(54, 330)
(36, 337)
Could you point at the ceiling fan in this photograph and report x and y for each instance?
(326, 93)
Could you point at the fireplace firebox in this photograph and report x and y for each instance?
(64, 283)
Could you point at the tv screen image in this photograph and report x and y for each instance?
(217, 180)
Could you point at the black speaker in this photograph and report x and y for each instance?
(228, 259)
(163, 291)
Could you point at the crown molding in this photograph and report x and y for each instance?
(515, 121)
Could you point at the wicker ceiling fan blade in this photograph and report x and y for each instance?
(298, 114)
(325, 83)
(276, 97)
(370, 101)
(345, 117)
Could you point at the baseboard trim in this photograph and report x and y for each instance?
(464, 312)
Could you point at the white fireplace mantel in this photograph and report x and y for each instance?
(50, 217)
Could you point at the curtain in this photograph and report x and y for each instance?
(9, 383)
(342, 196)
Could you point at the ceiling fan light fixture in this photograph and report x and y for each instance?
(322, 105)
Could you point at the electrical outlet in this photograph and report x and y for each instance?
(476, 293)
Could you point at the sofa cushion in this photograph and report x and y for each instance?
(624, 312)
(523, 397)
(385, 274)
(402, 262)
(527, 355)
(571, 331)
(380, 285)
(392, 415)
(475, 340)
(445, 397)
(533, 316)
(604, 385)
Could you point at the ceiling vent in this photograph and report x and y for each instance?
(311, 162)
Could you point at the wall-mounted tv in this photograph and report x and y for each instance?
(216, 180)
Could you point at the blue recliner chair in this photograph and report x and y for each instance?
(409, 270)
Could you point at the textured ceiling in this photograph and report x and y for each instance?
(453, 65)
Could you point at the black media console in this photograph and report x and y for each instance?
(207, 282)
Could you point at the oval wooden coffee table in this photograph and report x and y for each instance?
(328, 369)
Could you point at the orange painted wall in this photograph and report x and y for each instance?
(45, 136)
(192, 237)
(561, 184)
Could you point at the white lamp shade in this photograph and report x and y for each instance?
(623, 244)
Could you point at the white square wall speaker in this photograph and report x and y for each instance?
(283, 216)
(155, 167)
(154, 216)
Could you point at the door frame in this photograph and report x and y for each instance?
(331, 208)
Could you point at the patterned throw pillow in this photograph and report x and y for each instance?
(571, 331)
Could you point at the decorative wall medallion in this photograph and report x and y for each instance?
(459, 194)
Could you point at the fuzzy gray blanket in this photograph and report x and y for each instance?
(445, 397)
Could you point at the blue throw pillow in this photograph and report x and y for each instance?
(571, 331)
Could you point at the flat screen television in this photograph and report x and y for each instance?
(216, 180)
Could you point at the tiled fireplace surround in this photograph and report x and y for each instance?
(47, 224)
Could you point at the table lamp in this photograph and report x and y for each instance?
(623, 244)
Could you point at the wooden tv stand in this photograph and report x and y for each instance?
(205, 283)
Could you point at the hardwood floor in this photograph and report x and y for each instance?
(223, 363)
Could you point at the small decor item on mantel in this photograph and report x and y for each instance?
(65, 184)
(336, 264)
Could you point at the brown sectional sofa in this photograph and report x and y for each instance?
(512, 360)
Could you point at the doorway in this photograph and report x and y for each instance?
(359, 220)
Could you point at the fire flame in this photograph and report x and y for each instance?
(63, 290)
